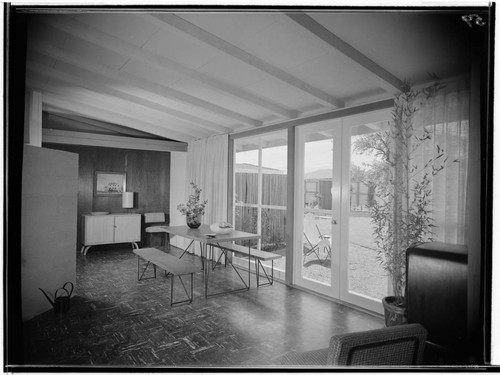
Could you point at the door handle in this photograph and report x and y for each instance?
(334, 222)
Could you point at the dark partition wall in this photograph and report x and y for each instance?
(437, 294)
(147, 174)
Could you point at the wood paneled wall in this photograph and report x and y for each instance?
(148, 175)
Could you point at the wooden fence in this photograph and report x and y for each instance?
(273, 221)
(273, 188)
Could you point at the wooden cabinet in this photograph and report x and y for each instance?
(108, 229)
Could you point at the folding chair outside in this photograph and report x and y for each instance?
(310, 248)
(328, 238)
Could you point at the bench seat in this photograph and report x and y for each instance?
(258, 255)
(171, 264)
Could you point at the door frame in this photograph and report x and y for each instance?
(333, 126)
(341, 133)
(347, 124)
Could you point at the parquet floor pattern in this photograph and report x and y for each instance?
(118, 322)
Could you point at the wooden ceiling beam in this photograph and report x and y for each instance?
(126, 109)
(62, 55)
(236, 52)
(99, 113)
(387, 80)
(113, 141)
(84, 122)
(102, 39)
(74, 79)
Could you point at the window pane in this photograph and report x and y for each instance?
(365, 274)
(246, 185)
(318, 174)
(274, 179)
(246, 172)
(317, 239)
(273, 235)
(246, 221)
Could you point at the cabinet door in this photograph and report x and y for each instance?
(98, 230)
(127, 228)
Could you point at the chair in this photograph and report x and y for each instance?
(329, 239)
(310, 248)
(151, 222)
(401, 345)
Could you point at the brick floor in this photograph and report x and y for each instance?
(119, 322)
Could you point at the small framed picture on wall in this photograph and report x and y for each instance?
(109, 183)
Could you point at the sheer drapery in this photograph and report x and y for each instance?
(207, 166)
(447, 117)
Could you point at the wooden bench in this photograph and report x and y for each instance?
(172, 266)
(258, 255)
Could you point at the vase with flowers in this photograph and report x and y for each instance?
(194, 209)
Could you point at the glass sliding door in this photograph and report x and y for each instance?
(363, 280)
(334, 249)
(260, 186)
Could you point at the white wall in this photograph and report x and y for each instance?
(48, 225)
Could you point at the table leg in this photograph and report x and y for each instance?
(203, 261)
(249, 261)
(205, 269)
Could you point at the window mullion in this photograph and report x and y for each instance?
(259, 195)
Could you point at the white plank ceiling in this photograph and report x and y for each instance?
(186, 75)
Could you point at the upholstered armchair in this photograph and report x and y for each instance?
(392, 346)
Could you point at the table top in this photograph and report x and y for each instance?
(199, 234)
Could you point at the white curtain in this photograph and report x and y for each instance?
(207, 166)
(447, 117)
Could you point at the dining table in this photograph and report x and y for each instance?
(205, 236)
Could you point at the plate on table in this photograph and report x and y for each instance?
(99, 213)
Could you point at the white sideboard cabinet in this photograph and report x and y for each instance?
(111, 228)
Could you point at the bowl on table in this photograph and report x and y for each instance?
(221, 228)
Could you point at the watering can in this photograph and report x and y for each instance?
(61, 298)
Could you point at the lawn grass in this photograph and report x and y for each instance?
(366, 276)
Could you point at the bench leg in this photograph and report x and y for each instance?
(139, 278)
(202, 260)
(249, 266)
(270, 280)
(223, 252)
(172, 291)
(257, 271)
(247, 285)
(189, 296)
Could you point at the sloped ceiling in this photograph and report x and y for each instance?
(186, 75)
